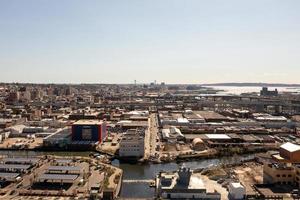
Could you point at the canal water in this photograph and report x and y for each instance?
(141, 171)
(149, 171)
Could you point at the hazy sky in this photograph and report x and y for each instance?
(176, 41)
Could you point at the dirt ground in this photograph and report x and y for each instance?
(30, 143)
(108, 147)
(249, 174)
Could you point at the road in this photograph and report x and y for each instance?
(150, 137)
(153, 133)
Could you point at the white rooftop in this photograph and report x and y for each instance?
(217, 136)
(290, 147)
(236, 185)
(182, 120)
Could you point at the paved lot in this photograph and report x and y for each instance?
(213, 185)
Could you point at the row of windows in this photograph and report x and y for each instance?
(284, 175)
(130, 149)
(284, 183)
(129, 146)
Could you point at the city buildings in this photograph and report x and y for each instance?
(151, 125)
(266, 92)
(132, 144)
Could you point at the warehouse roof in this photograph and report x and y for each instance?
(182, 120)
(217, 136)
(210, 115)
(63, 161)
(290, 147)
(4, 175)
(64, 168)
(11, 166)
(60, 177)
(20, 160)
(88, 122)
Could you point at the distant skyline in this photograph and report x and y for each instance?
(172, 41)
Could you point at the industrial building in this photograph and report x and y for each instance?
(172, 134)
(198, 144)
(236, 191)
(182, 184)
(290, 152)
(278, 173)
(60, 139)
(132, 143)
(89, 130)
(284, 167)
(132, 124)
(266, 92)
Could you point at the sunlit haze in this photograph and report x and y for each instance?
(174, 41)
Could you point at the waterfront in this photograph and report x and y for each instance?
(234, 90)
(149, 171)
(141, 171)
(20, 153)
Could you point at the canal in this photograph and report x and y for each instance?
(142, 171)
(149, 171)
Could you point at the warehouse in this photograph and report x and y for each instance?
(290, 152)
(8, 178)
(60, 178)
(198, 144)
(211, 116)
(192, 117)
(14, 168)
(89, 130)
(20, 160)
(64, 169)
(58, 140)
(130, 124)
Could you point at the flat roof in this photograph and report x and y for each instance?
(4, 175)
(237, 185)
(217, 136)
(63, 168)
(210, 115)
(182, 120)
(290, 147)
(12, 166)
(88, 122)
(60, 177)
(63, 161)
(20, 160)
(133, 123)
